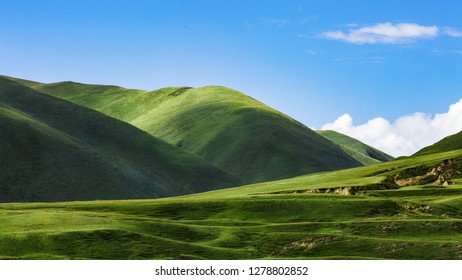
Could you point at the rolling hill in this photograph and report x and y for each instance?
(363, 153)
(54, 150)
(450, 143)
(226, 128)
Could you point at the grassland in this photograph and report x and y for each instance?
(274, 220)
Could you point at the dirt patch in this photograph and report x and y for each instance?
(438, 175)
(420, 208)
(308, 244)
(442, 174)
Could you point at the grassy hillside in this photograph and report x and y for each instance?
(27, 83)
(228, 129)
(363, 153)
(300, 218)
(450, 143)
(54, 150)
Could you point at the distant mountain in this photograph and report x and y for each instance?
(226, 128)
(55, 150)
(363, 153)
(450, 143)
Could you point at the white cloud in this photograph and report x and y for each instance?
(384, 33)
(452, 32)
(406, 135)
(351, 25)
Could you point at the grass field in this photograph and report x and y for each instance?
(274, 220)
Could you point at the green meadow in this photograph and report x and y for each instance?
(298, 218)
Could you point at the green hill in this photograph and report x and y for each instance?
(450, 143)
(363, 153)
(54, 150)
(226, 128)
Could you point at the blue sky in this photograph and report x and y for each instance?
(313, 60)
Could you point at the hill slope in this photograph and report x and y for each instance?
(363, 153)
(228, 129)
(54, 150)
(450, 143)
